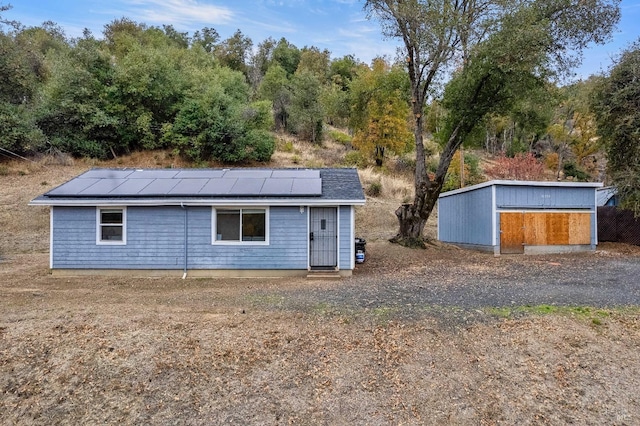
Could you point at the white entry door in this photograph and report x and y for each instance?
(323, 237)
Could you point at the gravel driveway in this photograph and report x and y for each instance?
(409, 282)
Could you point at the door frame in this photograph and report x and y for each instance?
(337, 232)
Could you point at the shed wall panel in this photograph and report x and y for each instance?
(466, 218)
(580, 228)
(535, 228)
(544, 197)
(511, 233)
(557, 229)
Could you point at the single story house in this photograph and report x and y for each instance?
(204, 222)
(520, 217)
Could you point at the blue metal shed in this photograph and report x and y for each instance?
(204, 222)
(520, 216)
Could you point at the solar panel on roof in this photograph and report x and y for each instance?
(219, 186)
(153, 174)
(295, 173)
(190, 183)
(73, 187)
(131, 187)
(188, 187)
(307, 187)
(159, 187)
(247, 173)
(200, 173)
(277, 187)
(106, 174)
(247, 186)
(103, 187)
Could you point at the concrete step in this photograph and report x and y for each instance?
(323, 275)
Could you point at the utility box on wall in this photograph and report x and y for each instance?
(507, 217)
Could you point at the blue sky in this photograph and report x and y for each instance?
(337, 25)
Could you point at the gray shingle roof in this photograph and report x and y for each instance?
(161, 186)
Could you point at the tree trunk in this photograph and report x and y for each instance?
(413, 217)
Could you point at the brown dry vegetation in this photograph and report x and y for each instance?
(169, 351)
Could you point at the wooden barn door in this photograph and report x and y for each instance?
(554, 229)
(323, 237)
(543, 229)
(511, 233)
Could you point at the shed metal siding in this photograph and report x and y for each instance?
(547, 197)
(466, 218)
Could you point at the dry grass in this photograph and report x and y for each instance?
(167, 351)
(393, 187)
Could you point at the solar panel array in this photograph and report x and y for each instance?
(192, 183)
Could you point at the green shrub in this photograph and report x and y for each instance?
(571, 169)
(355, 158)
(287, 146)
(340, 137)
(405, 164)
(374, 189)
(259, 145)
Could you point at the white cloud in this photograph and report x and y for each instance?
(179, 12)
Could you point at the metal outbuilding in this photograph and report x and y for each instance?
(528, 217)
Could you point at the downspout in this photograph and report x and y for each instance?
(186, 238)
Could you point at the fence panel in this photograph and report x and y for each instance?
(618, 225)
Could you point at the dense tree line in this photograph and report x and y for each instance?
(142, 87)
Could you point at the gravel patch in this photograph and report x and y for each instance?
(443, 279)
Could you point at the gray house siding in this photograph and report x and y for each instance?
(287, 247)
(466, 218)
(345, 238)
(155, 240)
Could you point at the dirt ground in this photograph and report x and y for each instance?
(238, 351)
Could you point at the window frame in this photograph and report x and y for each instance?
(99, 225)
(239, 242)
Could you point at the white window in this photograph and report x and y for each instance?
(111, 225)
(240, 225)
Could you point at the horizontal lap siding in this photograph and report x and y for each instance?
(466, 217)
(287, 247)
(154, 239)
(346, 242)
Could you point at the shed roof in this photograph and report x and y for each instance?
(605, 194)
(522, 183)
(207, 186)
